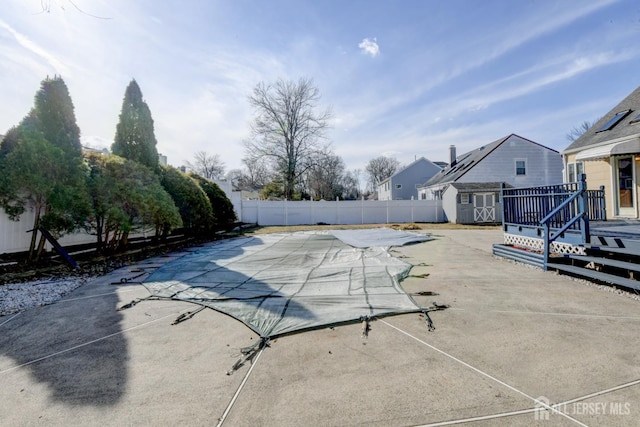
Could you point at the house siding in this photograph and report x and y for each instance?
(417, 174)
(543, 166)
(600, 173)
(384, 192)
(450, 204)
(408, 178)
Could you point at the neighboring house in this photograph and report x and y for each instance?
(609, 154)
(403, 185)
(442, 164)
(470, 186)
(88, 150)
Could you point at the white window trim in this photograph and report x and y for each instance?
(515, 164)
(578, 168)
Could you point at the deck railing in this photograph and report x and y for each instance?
(554, 209)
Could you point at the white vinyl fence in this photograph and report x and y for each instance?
(15, 238)
(339, 212)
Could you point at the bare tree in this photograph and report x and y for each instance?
(324, 180)
(381, 168)
(351, 184)
(207, 165)
(577, 131)
(286, 128)
(257, 172)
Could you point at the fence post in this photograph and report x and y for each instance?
(502, 205)
(387, 211)
(547, 245)
(412, 209)
(583, 203)
(602, 204)
(258, 215)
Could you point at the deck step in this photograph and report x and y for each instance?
(597, 275)
(516, 254)
(620, 244)
(627, 251)
(625, 265)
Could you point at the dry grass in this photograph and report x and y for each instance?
(405, 226)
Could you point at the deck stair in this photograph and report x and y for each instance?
(614, 266)
(519, 254)
(564, 228)
(617, 267)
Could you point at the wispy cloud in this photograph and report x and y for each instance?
(370, 47)
(522, 32)
(35, 49)
(501, 42)
(533, 80)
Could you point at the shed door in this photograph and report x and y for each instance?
(484, 209)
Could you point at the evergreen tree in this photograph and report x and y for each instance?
(9, 141)
(127, 197)
(223, 213)
(42, 165)
(192, 202)
(135, 138)
(55, 118)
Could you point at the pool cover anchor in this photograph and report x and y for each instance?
(366, 326)
(249, 353)
(135, 302)
(188, 315)
(435, 307)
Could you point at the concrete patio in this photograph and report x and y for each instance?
(513, 340)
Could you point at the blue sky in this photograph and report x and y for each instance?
(403, 78)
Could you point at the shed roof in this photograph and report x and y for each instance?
(475, 186)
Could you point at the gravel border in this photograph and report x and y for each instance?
(18, 297)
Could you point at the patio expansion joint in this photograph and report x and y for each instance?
(550, 313)
(486, 375)
(75, 347)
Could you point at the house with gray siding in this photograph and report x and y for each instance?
(470, 186)
(403, 185)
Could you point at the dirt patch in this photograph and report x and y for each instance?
(405, 226)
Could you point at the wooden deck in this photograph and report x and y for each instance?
(627, 228)
(572, 241)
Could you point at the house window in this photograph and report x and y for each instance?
(521, 167)
(574, 170)
(464, 198)
(398, 186)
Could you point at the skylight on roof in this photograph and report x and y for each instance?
(636, 119)
(614, 120)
